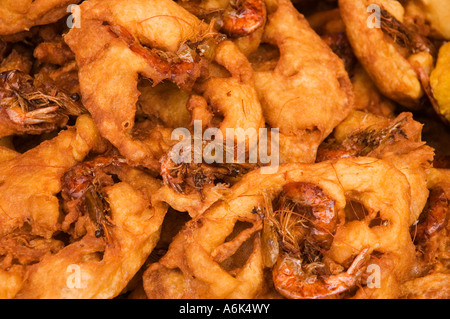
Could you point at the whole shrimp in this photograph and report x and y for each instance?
(243, 17)
(242, 21)
(310, 198)
(236, 99)
(30, 107)
(82, 189)
(292, 281)
(235, 18)
(156, 40)
(298, 272)
(316, 252)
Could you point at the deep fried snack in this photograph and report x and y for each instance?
(193, 187)
(434, 13)
(199, 265)
(110, 93)
(235, 98)
(234, 18)
(164, 103)
(400, 53)
(308, 92)
(30, 212)
(29, 106)
(329, 25)
(20, 58)
(19, 250)
(242, 21)
(195, 203)
(381, 227)
(432, 232)
(113, 228)
(64, 78)
(431, 237)
(305, 220)
(33, 179)
(433, 286)
(367, 96)
(358, 208)
(395, 140)
(320, 194)
(311, 268)
(53, 52)
(17, 16)
(331, 28)
(54, 60)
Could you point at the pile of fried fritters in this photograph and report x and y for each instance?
(245, 149)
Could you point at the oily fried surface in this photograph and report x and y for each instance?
(33, 179)
(396, 140)
(308, 92)
(106, 267)
(106, 228)
(30, 185)
(403, 84)
(112, 98)
(245, 149)
(181, 273)
(17, 16)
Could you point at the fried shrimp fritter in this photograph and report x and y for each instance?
(30, 106)
(221, 102)
(224, 149)
(431, 237)
(396, 140)
(164, 103)
(21, 15)
(62, 214)
(33, 179)
(435, 13)
(308, 92)
(300, 238)
(241, 20)
(234, 97)
(30, 214)
(400, 53)
(114, 231)
(367, 96)
(329, 25)
(158, 40)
